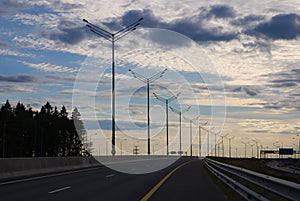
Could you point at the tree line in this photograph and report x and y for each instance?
(48, 132)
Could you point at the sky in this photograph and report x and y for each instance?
(247, 85)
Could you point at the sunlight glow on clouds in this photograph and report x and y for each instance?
(254, 46)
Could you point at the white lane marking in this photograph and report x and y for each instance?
(48, 176)
(60, 189)
(110, 175)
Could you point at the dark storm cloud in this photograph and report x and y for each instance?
(68, 32)
(221, 11)
(17, 78)
(283, 26)
(192, 27)
(245, 21)
(198, 32)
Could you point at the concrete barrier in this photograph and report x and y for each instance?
(20, 167)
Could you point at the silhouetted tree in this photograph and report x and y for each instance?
(48, 132)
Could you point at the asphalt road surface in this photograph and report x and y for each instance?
(184, 180)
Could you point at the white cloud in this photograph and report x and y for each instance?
(50, 67)
(15, 53)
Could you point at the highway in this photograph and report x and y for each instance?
(186, 179)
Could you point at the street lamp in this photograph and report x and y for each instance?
(208, 142)
(222, 136)
(192, 121)
(201, 127)
(216, 133)
(148, 81)
(166, 101)
(251, 144)
(245, 143)
(257, 147)
(180, 112)
(229, 144)
(113, 37)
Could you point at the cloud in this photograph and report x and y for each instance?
(17, 78)
(67, 32)
(60, 78)
(283, 85)
(3, 43)
(10, 6)
(15, 53)
(221, 11)
(287, 78)
(282, 26)
(193, 27)
(247, 89)
(247, 20)
(15, 89)
(250, 92)
(261, 45)
(50, 67)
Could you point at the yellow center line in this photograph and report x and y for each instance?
(156, 187)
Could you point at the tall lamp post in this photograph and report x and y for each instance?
(148, 81)
(222, 138)
(245, 143)
(113, 37)
(201, 127)
(208, 142)
(192, 121)
(180, 112)
(166, 101)
(216, 142)
(229, 138)
(257, 147)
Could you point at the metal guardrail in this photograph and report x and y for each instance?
(286, 189)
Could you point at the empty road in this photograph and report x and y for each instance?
(184, 180)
